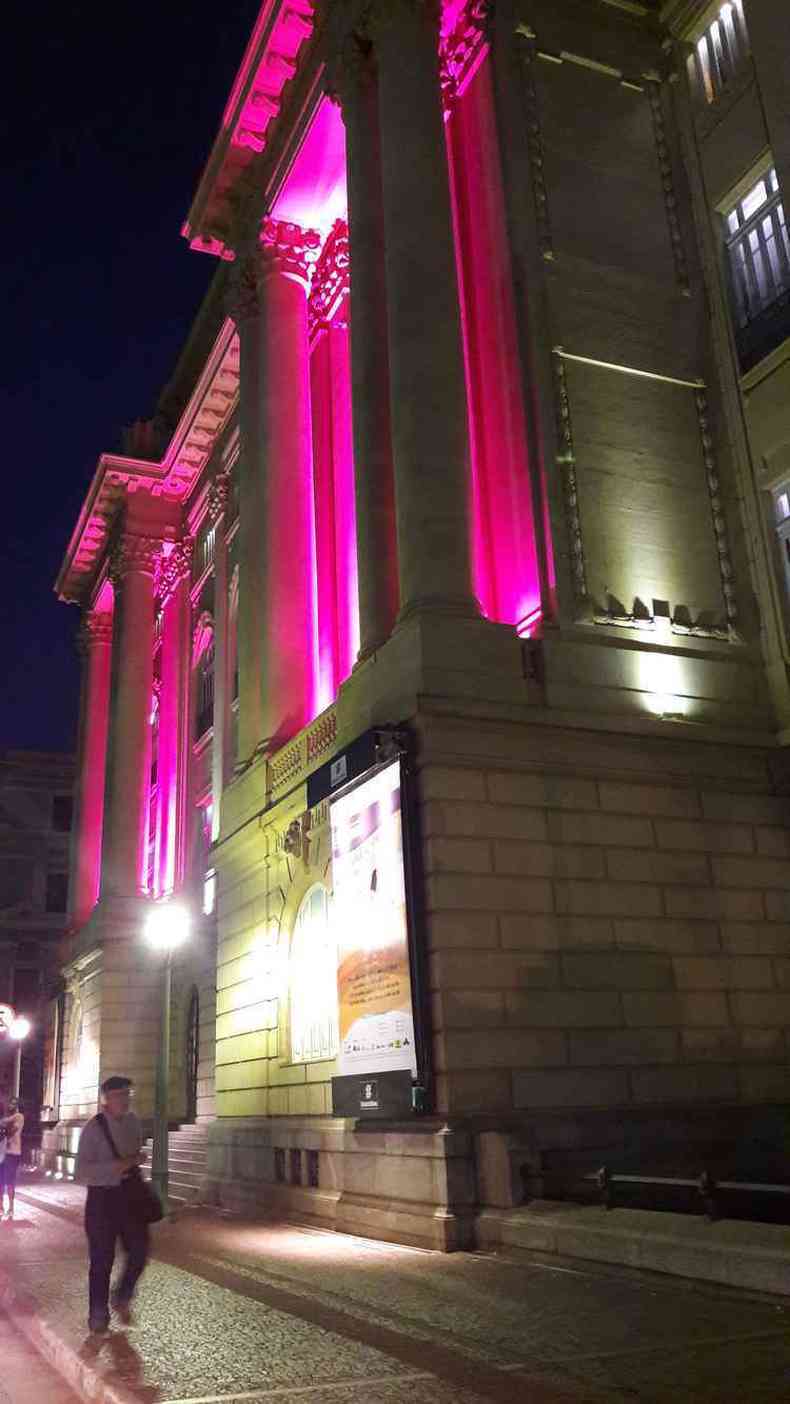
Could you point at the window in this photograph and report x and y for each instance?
(203, 556)
(721, 51)
(313, 980)
(62, 813)
(57, 892)
(758, 253)
(205, 697)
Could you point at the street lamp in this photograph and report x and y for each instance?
(166, 928)
(18, 1030)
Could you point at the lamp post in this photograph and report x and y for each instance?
(166, 928)
(18, 1030)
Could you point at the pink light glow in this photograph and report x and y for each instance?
(314, 192)
(506, 569)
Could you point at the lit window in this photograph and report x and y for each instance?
(720, 52)
(205, 699)
(209, 892)
(313, 981)
(758, 252)
(782, 506)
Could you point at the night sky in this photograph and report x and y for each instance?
(111, 112)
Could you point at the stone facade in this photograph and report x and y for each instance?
(474, 444)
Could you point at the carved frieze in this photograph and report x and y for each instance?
(218, 496)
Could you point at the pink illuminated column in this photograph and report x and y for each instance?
(354, 82)
(172, 767)
(221, 760)
(428, 399)
(125, 845)
(243, 307)
(287, 539)
(95, 643)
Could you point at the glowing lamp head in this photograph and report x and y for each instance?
(20, 1027)
(167, 926)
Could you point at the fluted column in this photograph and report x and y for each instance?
(95, 641)
(174, 734)
(124, 849)
(243, 307)
(218, 501)
(287, 543)
(428, 399)
(353, 81)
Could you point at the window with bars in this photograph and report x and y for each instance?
(720, 52)
(758, 252)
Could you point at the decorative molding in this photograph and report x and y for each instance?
(350, 70)
(322, 736)
(330, 282)
(138, 555)
(285, 767)
(527, 51)
(95, 629)
(241, 294)
(717, 510)
(566, 457)
(175, 567)
(461, 50)
(287, 249)
(668, 186)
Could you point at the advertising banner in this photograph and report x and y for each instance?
(376, 1022)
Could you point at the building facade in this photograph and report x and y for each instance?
(478, 464)
(35, 829)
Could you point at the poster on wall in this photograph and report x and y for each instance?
(376, 1019)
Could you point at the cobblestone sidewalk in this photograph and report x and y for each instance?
(233, 1310)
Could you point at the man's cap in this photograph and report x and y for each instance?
(116, 1084)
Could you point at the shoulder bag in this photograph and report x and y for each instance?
(142, 1200)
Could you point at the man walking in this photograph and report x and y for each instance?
(108, 1153)
(14, 1124)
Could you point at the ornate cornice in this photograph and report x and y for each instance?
(461, 49)
(330, 277)
(134, 555)
(287, 249)
(175, 567)
(95, 630)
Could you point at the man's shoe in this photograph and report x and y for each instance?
(122, 1309)
(98, 1325)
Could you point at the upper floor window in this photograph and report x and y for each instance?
(205, 692)
(758, 251)
(721, 50)
(203, 555)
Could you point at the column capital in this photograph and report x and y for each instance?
(459, 49)
(134, 555)
(385, 17)
(350, 69)
(331, 276)
(287, 249)
(175, 567)
(218, 494)
(95, 629)
(241, 294)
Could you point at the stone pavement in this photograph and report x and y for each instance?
(234, 1310)
(24, 1377)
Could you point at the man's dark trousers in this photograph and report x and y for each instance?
(107, 1219)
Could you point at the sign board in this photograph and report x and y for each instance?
(7, 1017)
(376, 1020)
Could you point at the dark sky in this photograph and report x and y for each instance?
(110, 112)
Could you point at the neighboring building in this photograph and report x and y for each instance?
(35, 829)
(481, 459)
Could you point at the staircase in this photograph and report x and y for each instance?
(187, 1146)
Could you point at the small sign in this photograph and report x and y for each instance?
(369, 1095)
(7, 1017)
(338, 771)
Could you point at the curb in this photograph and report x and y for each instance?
(84, 1376)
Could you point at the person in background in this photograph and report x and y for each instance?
(14, 1123)
(109, 1150)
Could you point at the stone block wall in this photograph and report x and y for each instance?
(608, 921)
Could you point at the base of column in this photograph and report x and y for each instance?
(456, 606)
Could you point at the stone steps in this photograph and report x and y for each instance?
(187, 1161)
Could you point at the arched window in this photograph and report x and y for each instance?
(313, 980)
